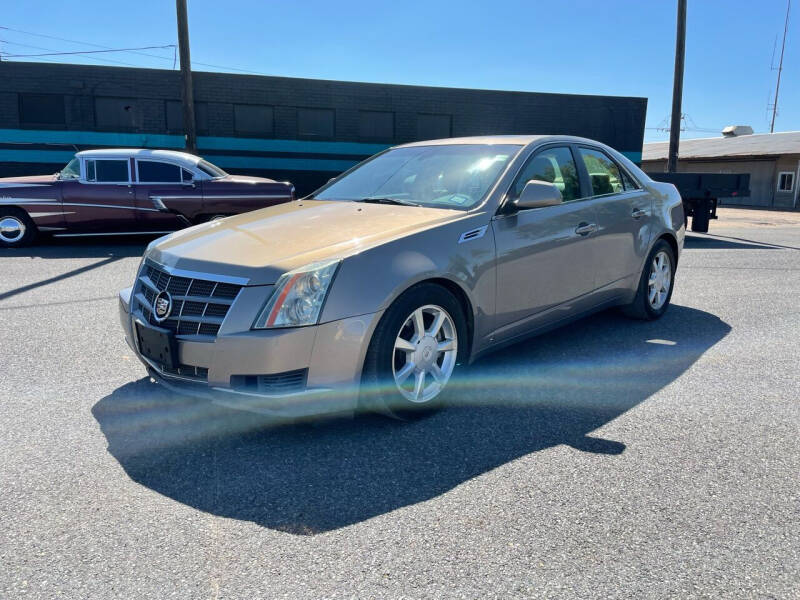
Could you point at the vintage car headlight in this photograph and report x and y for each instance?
(298, 296)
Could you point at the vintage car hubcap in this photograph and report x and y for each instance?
(11, 229)
(425, 353)
(660, 280)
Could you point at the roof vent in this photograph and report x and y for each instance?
(737, 130)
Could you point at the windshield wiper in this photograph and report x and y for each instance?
(387, 201)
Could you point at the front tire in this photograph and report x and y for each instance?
(414, 352)
(655, 284)
(16, 228)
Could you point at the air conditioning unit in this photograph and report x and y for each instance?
(737, 130)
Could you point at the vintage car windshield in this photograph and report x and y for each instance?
(72, 170)
(439, 176)
(209, 169)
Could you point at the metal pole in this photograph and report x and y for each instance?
(780, 68)
(677, 89)
(187, 93)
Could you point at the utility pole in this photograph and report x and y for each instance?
(677, 89)
(780, 68)
(187, 94)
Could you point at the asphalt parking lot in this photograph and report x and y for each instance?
(608, 459)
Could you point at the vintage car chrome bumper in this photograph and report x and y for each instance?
(305, 370)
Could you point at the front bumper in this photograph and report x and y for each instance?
(332, 353)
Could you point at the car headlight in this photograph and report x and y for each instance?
(298, 296)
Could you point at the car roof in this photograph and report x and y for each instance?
(520, 140)
(181, 158)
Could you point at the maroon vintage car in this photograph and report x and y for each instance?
(125, 191)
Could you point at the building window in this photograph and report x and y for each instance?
(116, 113)
(253, 119)
(174, 110)
(376, 125)
(432, 127)
(785, 181)
(41, 109)
(315, 123)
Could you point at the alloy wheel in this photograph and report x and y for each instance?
(425, 352)
(659, 281)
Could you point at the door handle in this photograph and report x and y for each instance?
(585, 228)
(638, 213)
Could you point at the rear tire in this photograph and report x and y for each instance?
(655, 284)
(415, 349)
(16, 228)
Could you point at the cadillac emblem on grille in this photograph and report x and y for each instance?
(162, 306)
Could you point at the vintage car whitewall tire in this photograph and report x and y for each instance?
(16, 228)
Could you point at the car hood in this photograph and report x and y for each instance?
(262, 245)
(27, 181)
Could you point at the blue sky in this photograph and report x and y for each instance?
(623, 47)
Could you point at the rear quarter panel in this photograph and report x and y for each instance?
(41, 200)
(224, 197)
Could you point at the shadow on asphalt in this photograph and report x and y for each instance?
(711, 242)
(315, 477)
(55, 248)
(84, 247)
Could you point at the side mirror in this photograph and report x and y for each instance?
(537, 194)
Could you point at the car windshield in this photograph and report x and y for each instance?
(440, 176)
(210, 169)
(72, 170)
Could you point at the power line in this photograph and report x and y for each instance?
(60, 39)
(86, 51)
(173, 58)
(107, 60)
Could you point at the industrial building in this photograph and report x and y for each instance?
(301, 130)
(771, 159)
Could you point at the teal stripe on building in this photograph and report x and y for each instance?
(216, 144)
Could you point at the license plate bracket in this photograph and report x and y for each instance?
(158, 345)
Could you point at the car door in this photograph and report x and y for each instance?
(103, 200)
(624, 218)
(545, 256)
(165, 192)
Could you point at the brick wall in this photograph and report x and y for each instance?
(617, 121)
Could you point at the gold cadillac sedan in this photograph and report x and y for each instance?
(371, 291)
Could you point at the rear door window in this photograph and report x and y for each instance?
(604, 173)
(108, 170)
(158, 172)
